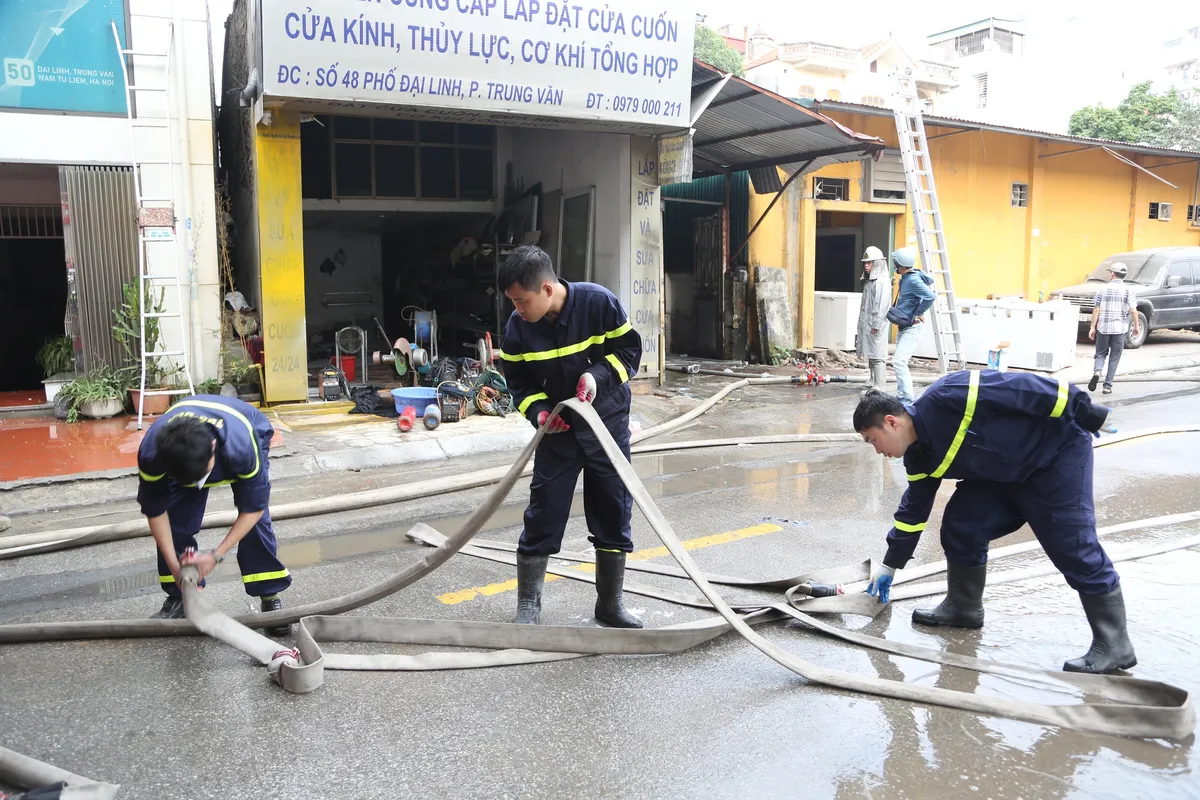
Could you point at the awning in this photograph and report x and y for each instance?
(746, 127)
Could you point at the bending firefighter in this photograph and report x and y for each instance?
(1020, 447)
(570, 340)
(201, 442)
(873, 325)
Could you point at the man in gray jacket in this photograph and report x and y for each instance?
(872, 317)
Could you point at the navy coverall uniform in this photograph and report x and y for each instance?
(1020, 447)
(243, 437)
(543, 362)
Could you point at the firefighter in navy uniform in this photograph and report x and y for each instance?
(1020, 447)
(570, 340)
(201, 442)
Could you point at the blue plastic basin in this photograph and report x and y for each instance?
(417, 396)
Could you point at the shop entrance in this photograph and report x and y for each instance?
(398, 223)
(360, 267)
(33, 278)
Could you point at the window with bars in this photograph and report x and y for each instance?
(363, 157)
(831, 188)
(981, 90)
(31, 222)
(971, 43)
(1020, 195)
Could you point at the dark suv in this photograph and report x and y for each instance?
(1165, 281)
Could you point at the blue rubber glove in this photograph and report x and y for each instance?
(881, 581)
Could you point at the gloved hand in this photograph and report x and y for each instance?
(557, 426)
(1091, 417)
(585, 390)
(881, 581)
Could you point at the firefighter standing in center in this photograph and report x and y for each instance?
(570, 340)
(1020, 447)
(201, 442)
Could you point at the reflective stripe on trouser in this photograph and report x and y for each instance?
(1057, 503)
(262, 571)
(607, 503)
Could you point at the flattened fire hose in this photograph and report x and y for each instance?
(1136, 707)
(1140, 708)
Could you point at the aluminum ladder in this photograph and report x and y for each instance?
(157, 222)
(927, 217)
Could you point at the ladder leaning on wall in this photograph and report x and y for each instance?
(927, 218)
(157, 228)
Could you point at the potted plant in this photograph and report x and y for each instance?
(57, 360)
(98, 394)
(243, 375)
(127, 330)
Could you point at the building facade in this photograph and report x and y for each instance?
(383, 164)
(989, 55)
(1181, 62)
(1025, 212)
(68, 217)
(854, 75)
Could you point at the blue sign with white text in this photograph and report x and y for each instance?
(59, 55)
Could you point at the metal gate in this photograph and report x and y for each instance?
(99, 226)
(708, 279)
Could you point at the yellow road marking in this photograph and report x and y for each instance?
(699, 543)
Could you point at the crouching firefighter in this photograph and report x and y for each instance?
(570, 340)
(1020, 446)
(201, 442)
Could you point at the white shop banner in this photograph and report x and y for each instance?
(615, 61)
(646, 249)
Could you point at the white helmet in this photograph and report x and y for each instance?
(872, 254)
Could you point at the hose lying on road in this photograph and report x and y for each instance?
(29, 773)
(1139, 708)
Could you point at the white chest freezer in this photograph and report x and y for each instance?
(1040, 336)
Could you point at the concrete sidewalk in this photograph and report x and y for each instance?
(311, 439)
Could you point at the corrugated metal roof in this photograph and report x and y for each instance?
(746, 127)
(972, 125)
(678, 217)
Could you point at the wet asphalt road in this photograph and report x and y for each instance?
(192, 718)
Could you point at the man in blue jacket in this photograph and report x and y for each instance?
(570, 340)
(201, 442)
(912, 301)
(1020, 447)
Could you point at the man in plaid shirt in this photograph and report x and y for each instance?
(1114, 311)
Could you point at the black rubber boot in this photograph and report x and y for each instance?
(963, 605)
(610, 580)
(273, 603)
(172, 608)
(531, 574)
(1111, 649)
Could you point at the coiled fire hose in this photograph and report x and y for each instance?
(1135, 707)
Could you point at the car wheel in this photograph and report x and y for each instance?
(1134, 342)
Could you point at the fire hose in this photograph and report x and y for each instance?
(1137, 707)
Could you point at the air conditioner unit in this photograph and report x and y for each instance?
(1164, 212)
